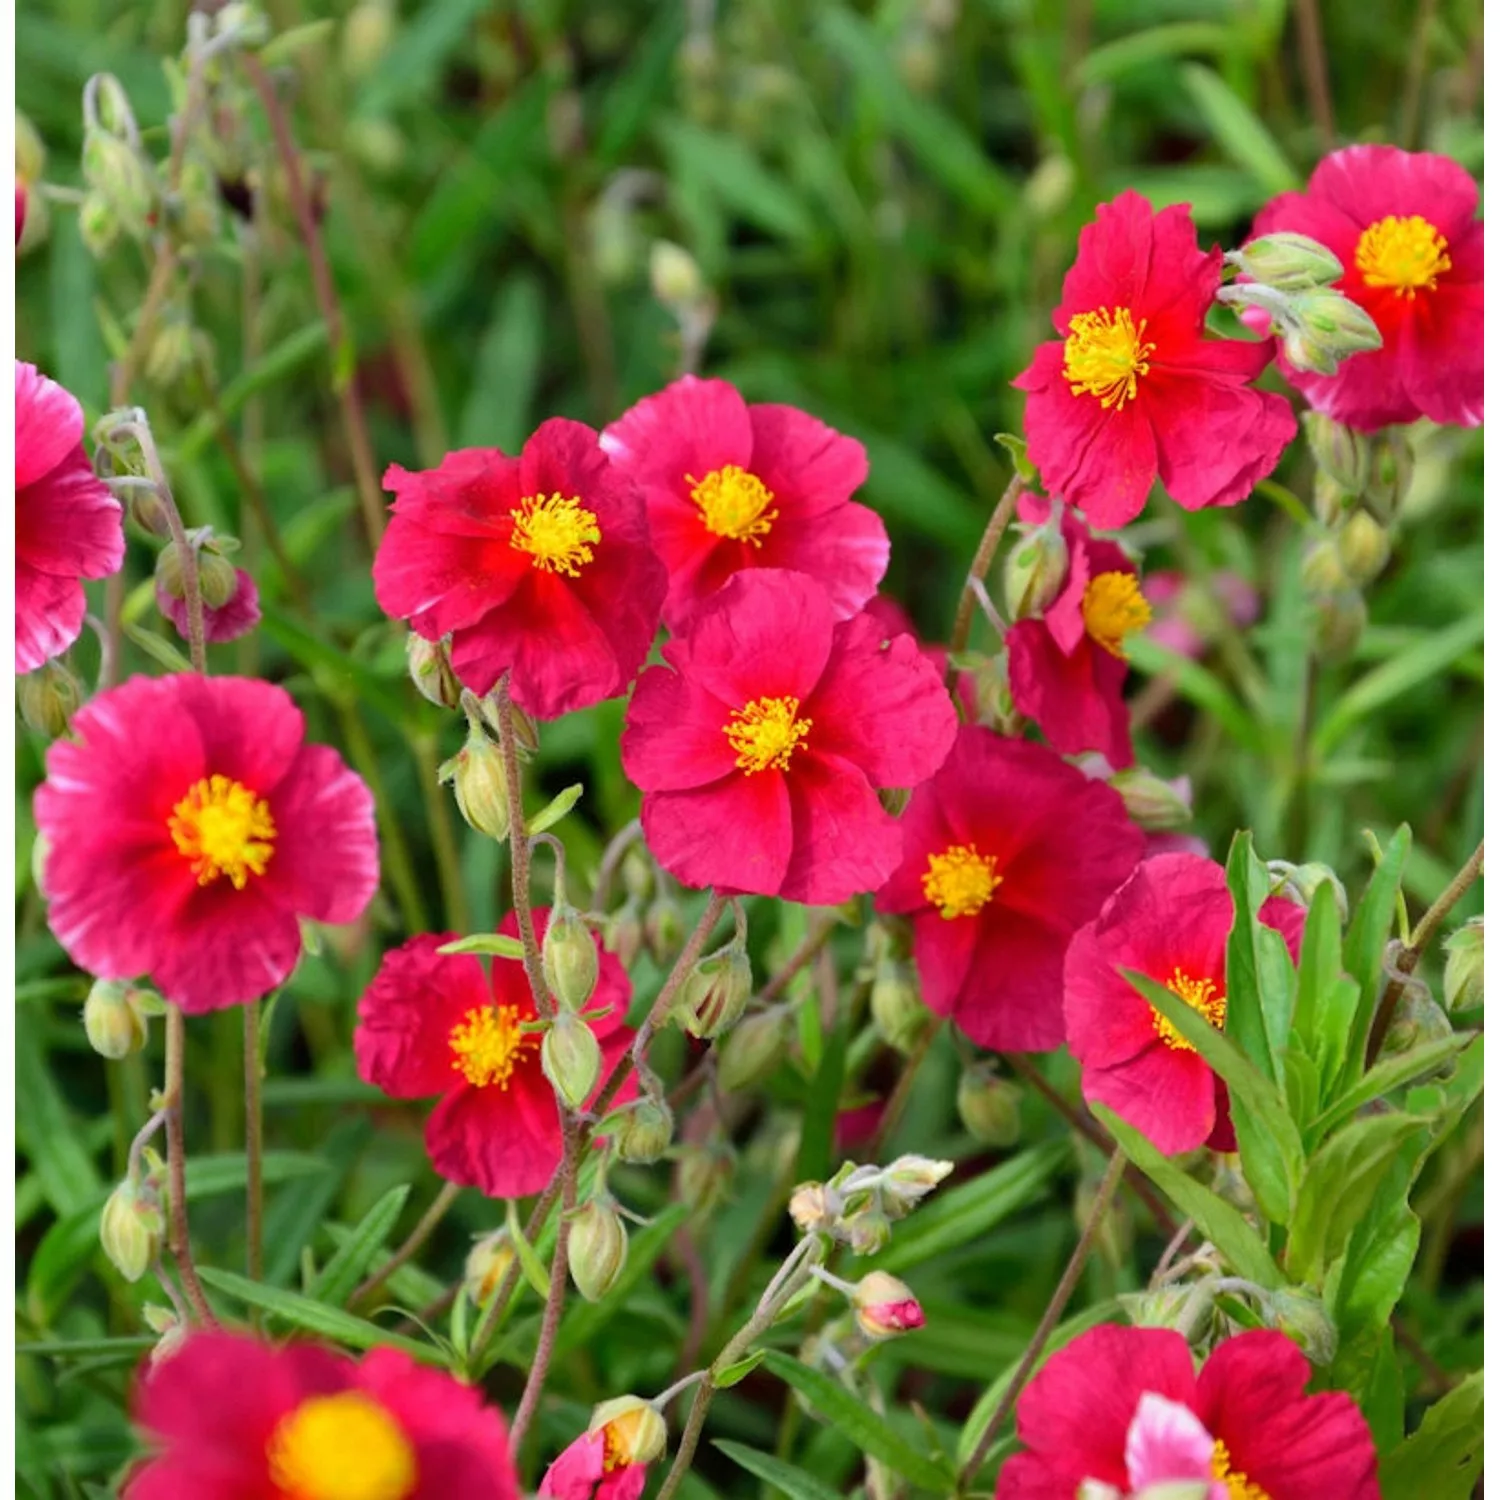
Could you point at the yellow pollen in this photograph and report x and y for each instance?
(224, 829)
(344, 1447)
(616, 1448)
(556, 531)
(1405, 255)
(960, 880)
(765, 732)
(487, 1043)
(1234, 1480)
(1114, 607)
(1203, 995)
(733, 503)
(1105, 355)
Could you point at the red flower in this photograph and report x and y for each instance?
(1135, 390)
(189, 828)
(238, 1419)
(730, 486)
(587, 1470)
(1270, 1440)
(68, 525)
(760, 746)
(1169, 921)
(540, 566)
(238, 616)
(1067, 670)
(433, 1024)
(1008, 851)
(1403, 224)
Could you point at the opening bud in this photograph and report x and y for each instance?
(665, 931)
(217, 580)
(1463, 974)
(1287, 261)
(431, 671)
(1034, 571)
(132, 1223)
(477, 773)
(1153, 804)
(48, 698)
(885, 1307)
(1340, 452)
(896, 1005)
(488, 1264)
(597, 1246)
(1298, 1312)
(754, 1049)
(716, 992)
(113, 1019)
(571, 1059)
(644, 1130)
(989, 1106)
(634, 1432)
(570, 958)
(814, 1207)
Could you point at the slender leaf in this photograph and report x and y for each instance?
(797, 1483)
(357, 1254)
(1365, 944)
(1239, 132)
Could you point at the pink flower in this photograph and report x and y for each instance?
(730, 486)
(584, 1471)
(1184, 621)
(190, 828)
(1169, 921)
(238, 616)
(68, 525)
(760, 746)
(1405, 226)
(1083, 1420)
(1133, 389)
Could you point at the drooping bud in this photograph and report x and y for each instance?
(989, 1106)
(665, 931)
(132, 1223)
(1034, 572)
(118, 174)
(48, 698)
(1340, 452)
(477, 773)
(431, 671)
(635, 871)
(716, 991)
(1328, 328)
(597, 1247)
(624, 933)
(1364, 547)
(702, 1177)
(896, 1005)
(1298, 1312)
(676, 280)
(644, 1131)
(571, 1059)
(1287, 261)
(113, 1020)
(487, 1265)
(1338, 622)
(169, 572)
(634, 1431)
(1299, 882)
(908, 1180)
(1323, 568)
(754, 1049)
(217, 579)
(1463, 974)
(1391, 465)
(885, 1307)
(570, 957)
(1153, 804)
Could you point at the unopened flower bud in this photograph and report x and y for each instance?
(1340, 452)
(866, 1233)
(1332, 503)
(1035, 569)
(624, 933)
(753, 1050)
(1323, 568)
(1298, 1312)
(896, 1005)
(908, 1180)
(570, 958)
(702, 1178)
(117, 172)
(217, 579)
(665, 931)
(132, 1224)
(989, 1106)
(716, 992)
(1418, 1020)
(571, 1059)
(597, 1246)
(645, 1131)
(1299, 882)
(1328, 329)
(634, 1431)
(675, 278)
(885, 1307)
(171, 1331)
(1364, 547)
(1153, 804)
(431, 670)
(1287, 261)
(1463, 974)
(478, 776)
(113, 1020)
(98, 224)
(48, 697)
(488, 1264)
(1171, 1306)
(894, 799)
(635, 871)
(368, 29)
(1338, 622)
(31, 152)
(169, 572)
(1391, 465)
(40, 847)
(813, 1207)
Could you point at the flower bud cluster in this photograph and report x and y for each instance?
(858, 1204)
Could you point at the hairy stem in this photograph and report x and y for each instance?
(254, 1136)
(520, 853)
(178, 1239)
(989, 544)
(802, 955)
(440, 825)
(614, 856)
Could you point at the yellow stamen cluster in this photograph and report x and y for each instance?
(557, 531)
(1105, 355)
(1114, 607)
(765, 732)
(1234, 1480)
(1203, 995)
(960, 880)
(343, 1447)
(487, 1044)
(733, 503)
(1402, 255)
(223, 828)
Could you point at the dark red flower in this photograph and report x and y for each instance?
(762, 742)
(587, 1470)
(190, 828)
(1271, 1441)
(1404, 226)
(68, 525)
(238, 616)
(730, 486)
(1007, 852)
(234, 1418)
(540, 566)
(1134, 390)
(1170, 921)
(431, 1023)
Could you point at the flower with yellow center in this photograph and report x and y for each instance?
(1105, 355)
(960, 880)
(765, 732)
(1402, 255)
(1114, 607)
(633, 1430)
(487, 1044)
(1203, 995)
(1234, 1480)
(557, 531)
(223, 828)
(343, 1447)
(733, 503)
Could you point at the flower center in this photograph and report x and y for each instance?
(1203, 995)
(487, 1044)
(1114, 607)
(556, 531)
(765, 732)
(1234, 1480)
(960, 880)
(1406, 255)
(733, 503)
(1105, 355)
(224, 829)
(344, 1447)
(618, 1437)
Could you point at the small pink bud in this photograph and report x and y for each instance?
(885, 1307)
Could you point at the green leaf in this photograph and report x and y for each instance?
(356, 1255)
(870, 1432)
(1365, 944)
(1387, 1076)
(797, 1483)
(158, 648)
(1198, 685)
(1244, 1018)
(1220, 1223)
(338, 676)
(506, 370)
(532, 1267)
(555, 811)
(284, 49)
(49, 1134)
(736, 1372)
(1318, 972)
(723, 168)
(1443, 1458)
(821, 1107)
(1140, 49)
(1365, 1286)
(495, 944)
(1240, 134)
